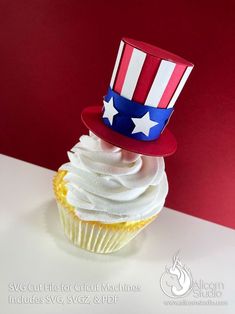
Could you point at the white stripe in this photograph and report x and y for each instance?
(117, 63)
(180, 87)
(133, 73)
(160, 82)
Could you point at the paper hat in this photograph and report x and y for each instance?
(144, 87)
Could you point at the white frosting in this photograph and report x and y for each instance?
(106, 183)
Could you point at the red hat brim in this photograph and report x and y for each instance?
(165, 145)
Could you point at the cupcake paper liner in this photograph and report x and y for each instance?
(93, 236)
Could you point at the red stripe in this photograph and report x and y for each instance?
(172, 85)
(123, 65)
(146, 78)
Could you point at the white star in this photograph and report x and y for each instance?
(143, 124)
(109, 110)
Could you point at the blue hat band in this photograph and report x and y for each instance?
(133, 119)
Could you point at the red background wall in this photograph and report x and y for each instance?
(56, 57)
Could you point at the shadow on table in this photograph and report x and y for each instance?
(54, 229)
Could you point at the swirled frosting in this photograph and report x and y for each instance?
(108, 184)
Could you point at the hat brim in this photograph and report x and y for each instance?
(164, 146)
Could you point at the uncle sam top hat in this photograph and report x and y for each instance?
(144, 87)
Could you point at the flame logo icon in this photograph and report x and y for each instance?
(177, 280)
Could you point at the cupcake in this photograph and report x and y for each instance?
(106, 194)
(115, 183)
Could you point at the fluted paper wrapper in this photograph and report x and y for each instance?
(93, 236)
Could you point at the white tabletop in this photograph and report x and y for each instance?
(39, 265)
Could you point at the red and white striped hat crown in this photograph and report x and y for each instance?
(149, 75)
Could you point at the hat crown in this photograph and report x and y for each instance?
(149, 75)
